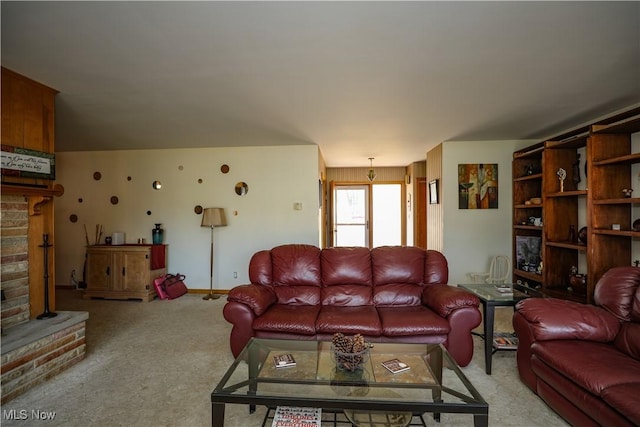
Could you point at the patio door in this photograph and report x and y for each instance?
(368, 215)
(351, 215)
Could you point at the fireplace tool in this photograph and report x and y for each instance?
(45, 245)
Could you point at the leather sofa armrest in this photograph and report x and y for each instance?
(556, 319)
(257, 297)
(444, 299)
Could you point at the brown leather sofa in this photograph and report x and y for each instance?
(584, 360)
(387, 294)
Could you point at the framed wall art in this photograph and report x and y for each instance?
(478, 186)
(433, 192)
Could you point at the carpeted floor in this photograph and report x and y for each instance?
(155, 364)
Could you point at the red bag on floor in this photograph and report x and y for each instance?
(170, 286)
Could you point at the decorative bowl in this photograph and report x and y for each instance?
(350, 361)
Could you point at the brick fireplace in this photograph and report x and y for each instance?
(32, 350)
(14, 261)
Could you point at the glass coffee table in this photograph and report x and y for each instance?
(490, 299)
(434, 383)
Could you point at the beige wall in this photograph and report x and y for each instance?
(278, 177)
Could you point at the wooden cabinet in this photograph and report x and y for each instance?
(124, 271)
(597, 204)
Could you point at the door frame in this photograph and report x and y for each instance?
(403, 208)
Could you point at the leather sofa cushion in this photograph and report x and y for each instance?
(296, 274)
(624, 397)
(294, 319)
(397, 294)
(349, 320)
(417, 320)
(593, 366)
(618, 291)
(297, 295)
(394, 264)
(342, 266)
(296, 265)
(562, 394)
(628, 340)
(346, 295)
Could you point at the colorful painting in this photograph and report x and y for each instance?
(478, 186)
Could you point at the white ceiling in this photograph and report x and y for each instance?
(360, 79)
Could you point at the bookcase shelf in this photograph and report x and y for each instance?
(608, 159)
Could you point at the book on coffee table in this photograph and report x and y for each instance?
(291, 416)
(284, 360)
(395, 366)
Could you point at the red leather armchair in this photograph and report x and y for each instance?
(388, 294)
(584, 360)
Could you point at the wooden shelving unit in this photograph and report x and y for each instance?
(609, 158)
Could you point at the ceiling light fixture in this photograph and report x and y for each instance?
(371, 175)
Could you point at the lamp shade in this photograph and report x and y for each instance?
(213, 217)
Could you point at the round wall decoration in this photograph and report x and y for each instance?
(241, 188)
(97, 176)
(200, 181)
(80, 200)
(73, 218)
(198, 209)
(224, 168)
(114, 200)
(149, 213)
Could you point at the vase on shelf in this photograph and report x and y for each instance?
(158, 234)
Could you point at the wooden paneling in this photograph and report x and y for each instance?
(28, 119)
(435, 212)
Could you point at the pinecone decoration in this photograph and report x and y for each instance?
(359, 345)
(349, 352)
(342, 343)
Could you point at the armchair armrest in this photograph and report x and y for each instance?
(556, 319)
(257, 297)
(444, 299)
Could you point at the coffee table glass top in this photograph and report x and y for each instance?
(488, 292)
(433, 379)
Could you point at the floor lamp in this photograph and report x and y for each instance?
(212, 218)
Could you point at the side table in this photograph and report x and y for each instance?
(490, 299)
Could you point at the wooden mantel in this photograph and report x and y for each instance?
(37, 196)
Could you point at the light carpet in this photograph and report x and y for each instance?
(156, 363)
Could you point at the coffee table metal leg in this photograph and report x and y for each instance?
(489, 312)
(217, 414)
(481, 420)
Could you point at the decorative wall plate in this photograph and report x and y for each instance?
(224, 168)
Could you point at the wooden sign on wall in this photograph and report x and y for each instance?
(28, 163)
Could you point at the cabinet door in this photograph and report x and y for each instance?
(133, 271)
(99, 271)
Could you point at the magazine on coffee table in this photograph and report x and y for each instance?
(395, 366)
(292, 416)
(284, 360)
